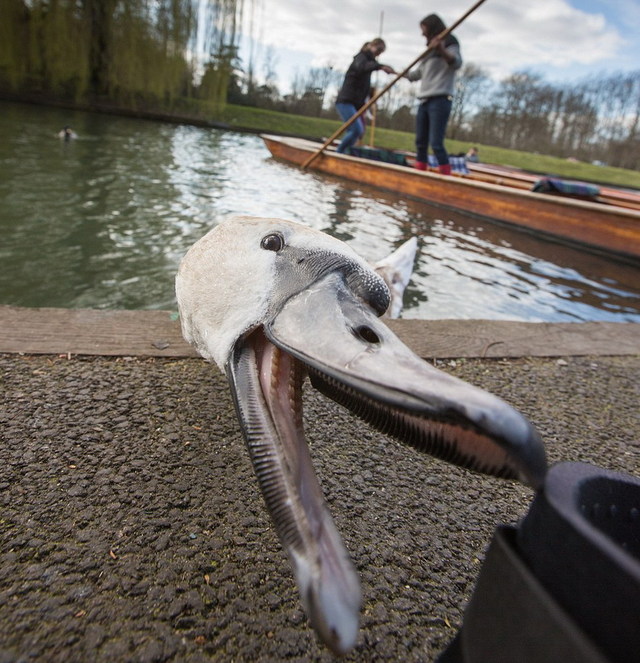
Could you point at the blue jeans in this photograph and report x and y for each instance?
(356, 129)
(431, 125)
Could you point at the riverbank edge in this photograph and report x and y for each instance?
(156, 333)
(560, 168)
(155, 116)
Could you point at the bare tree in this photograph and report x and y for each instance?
(472, 84)
(269, 66)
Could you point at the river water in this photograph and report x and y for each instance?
(102, 222)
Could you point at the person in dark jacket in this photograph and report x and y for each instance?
(355, 89)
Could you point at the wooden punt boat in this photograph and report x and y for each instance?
(603, 226)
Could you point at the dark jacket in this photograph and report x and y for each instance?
(357, 81)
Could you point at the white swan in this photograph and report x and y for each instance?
(271, 301)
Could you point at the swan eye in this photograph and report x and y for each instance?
(273, 242)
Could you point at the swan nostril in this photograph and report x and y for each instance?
(366, 334)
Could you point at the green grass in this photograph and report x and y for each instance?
(283, 123)
(244, 117)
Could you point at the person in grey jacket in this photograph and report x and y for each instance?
(436, 73)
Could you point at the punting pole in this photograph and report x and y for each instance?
(374, 108)
(377, 96)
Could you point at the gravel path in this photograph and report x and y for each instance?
(131, 528)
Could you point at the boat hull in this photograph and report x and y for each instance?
(604, 228)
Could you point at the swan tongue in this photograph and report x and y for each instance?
(356, 359)
(266, 384)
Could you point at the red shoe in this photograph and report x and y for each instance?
(420, 165)
(445, 170)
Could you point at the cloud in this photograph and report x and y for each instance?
(550, 33)
(502, 36)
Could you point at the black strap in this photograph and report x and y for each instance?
(565, 585)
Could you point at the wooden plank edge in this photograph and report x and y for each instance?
(151, 333)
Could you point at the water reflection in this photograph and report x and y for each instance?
(103, 221)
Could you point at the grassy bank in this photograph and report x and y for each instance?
(244, 117)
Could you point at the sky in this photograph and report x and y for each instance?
(563, 40)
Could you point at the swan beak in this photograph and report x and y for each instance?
(328, 332)
(266, 385)
(355, 359)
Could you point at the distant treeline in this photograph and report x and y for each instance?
(133, 53)
(597, 118)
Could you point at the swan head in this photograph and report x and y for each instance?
(240, 273)
(273, 302)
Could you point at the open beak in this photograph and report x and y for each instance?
(327, 332)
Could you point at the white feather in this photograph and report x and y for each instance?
(396, 270)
